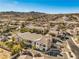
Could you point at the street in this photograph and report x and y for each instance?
(74, 48)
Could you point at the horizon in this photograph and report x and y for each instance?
(44, 6)
(37, 12)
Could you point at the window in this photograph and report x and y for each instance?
(43, 49)
(44, 46)
(37, 43)
(40, 44)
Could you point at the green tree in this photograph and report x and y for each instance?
(16, 49)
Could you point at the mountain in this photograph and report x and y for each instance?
(36, 15)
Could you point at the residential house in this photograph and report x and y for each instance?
(41, 42)
(31, 54)
(30, 38)
(44, 43)
(76, 29)
(70, 31)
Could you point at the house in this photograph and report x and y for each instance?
(31, 54)
(41, 42)
(36, 54)
(76, 29)
(70, 31)
(44, 43)
(28, 37)
(3, 38)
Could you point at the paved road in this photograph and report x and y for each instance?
(74, 48)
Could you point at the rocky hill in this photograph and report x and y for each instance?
(37, 16)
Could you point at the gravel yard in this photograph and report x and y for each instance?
(4, 54)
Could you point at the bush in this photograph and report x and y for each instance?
(24, 30)
(16, 49)
(33, 47)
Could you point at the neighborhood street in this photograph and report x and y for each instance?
(74, 48)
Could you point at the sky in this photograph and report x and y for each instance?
(45, 6)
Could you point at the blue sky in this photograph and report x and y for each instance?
(47, 6)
